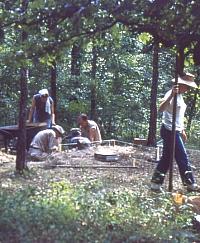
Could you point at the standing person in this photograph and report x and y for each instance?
(89, 128)
(45, 142)
(184, 84)
(42, 108)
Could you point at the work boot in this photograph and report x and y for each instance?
(157, 181)
(188, 178)
(158, 177)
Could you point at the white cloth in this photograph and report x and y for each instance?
(48, 106)
(44, 92)
(180, 111)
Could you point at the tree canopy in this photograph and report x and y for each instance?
(98, 57)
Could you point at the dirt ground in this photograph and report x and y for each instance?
(132, 167)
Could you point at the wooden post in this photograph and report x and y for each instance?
(173, 138)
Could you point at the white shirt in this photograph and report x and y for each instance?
(180, 112)
(45, 140)
(93, 125)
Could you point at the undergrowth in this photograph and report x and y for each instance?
(89, 212)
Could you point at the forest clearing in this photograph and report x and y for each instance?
(127, 66)
(63, 174)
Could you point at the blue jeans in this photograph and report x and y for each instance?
(181, 158)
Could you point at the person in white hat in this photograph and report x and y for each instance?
(42, 108)
(45, 142)
(184, 84)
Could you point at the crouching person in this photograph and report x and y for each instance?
(45, 142)
(76, 138)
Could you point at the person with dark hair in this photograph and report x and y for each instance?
(42, 108)
(45, 142)
(184, 84)
(89, 128)
(76, 138)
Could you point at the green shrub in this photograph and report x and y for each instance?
(92, 212)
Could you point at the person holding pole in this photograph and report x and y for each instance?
(183, 85)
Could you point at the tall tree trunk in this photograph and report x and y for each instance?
(21, 143)
(76, 64)
(181, 60)
(76, 59)
(192, 103)
(192, 110)
(153, 109)
(53, 73)
(93, 90)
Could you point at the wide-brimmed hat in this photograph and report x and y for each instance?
(187, 79)
(44, 92)
(58, 129)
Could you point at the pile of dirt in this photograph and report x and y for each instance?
(127, 156)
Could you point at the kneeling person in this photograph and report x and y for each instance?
(76, 137)
(89, 128)
(45, 142)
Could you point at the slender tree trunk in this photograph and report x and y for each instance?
(181, 60)
(192, 105)
(93, 90)
(53, 73)
(21, 143)
(76, 59)
(76, 65)
(192, 110)
(153, 109)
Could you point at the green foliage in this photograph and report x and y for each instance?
(193, 140)
(123, 35)
(77, 107)
(38, 214)
(145, 38)
(91, 212)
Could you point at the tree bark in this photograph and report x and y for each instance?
(153, 108)
(192, 106)
(21, 142)
(76, 59)
(53, 73)
(191, 110)
(93, 90)
(22, 139)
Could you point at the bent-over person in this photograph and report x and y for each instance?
(45, 142)
(42, 108)
(76, 137)
(89, 128)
